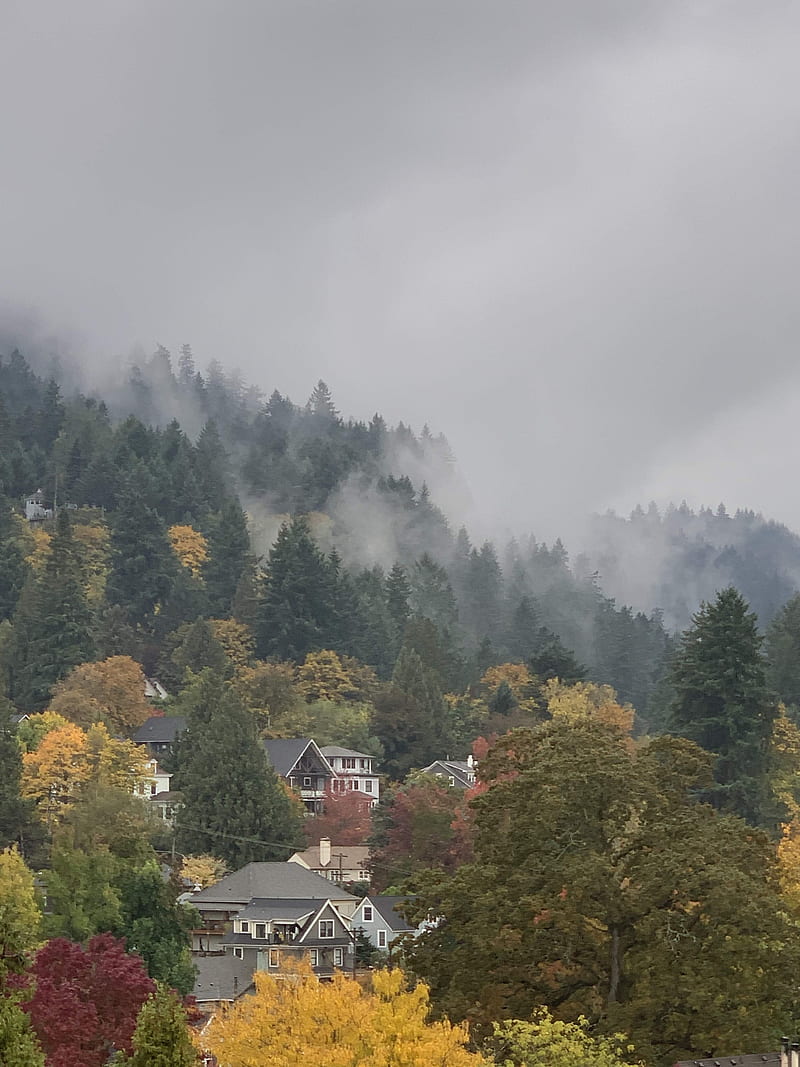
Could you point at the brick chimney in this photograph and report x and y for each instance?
(324, 851)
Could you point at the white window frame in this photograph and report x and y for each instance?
(260, 931)
(238, 953)
(381, 939)
(367, 785)
(367, 915)
(338, 958)
(244, 926)
(307, 782)
(314, 954)
(274, 958)
(324, 926)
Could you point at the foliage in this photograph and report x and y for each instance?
(203, 870)
(345, 819)
(161, 1037)
(190, 547)
(110, 691)
(20, 914)
(722, 702)
(549, 1042)
(384, 1027)
(86, 1000)
(601, 888)
(586, 700)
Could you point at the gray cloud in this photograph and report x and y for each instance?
(565, 234)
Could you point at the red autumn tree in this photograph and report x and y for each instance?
(86, 1000)
(346, 819)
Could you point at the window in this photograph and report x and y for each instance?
(352, 783)
(153, 789)
(261, 930)
(350, 763)
(239, 953)
(381, 939)
(273, 957)
(365, 765)
(337, 957)
(451, 780)
(314, 958)
(244, 926)
(367, 913)
(326, 928)
(307, 783)
(367, 785)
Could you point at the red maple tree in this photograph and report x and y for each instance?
(86, 1000)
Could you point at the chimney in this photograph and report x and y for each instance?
(324, 851)
(794, 1054)
(470, 761)
(784, 1052)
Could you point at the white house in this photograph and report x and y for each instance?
(35, 510)
(379, 920)
(457, 772)
(341, 863)
(353, 771)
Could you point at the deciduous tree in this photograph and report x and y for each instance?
(111, 691)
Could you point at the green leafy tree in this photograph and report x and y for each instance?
(722, 702)
(20, 919)
(161, 1037)
(602, 888)
(234, 805)
(548, 1042)
(17, 822)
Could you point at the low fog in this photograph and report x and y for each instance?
(564, 234)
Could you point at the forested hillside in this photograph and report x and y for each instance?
(285, 572)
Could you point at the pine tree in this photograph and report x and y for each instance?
(398, 596)
(161, 1037)
(295, 613)
(143, 565)
(722, 702)
(53, 623)
(234, 805)
(16, 815)
(783, 653)
(229, 548)
(13, 567)
(552, 659)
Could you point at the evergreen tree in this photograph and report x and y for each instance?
(143, 565)
(295, 613)
(551, 659)
(234, 805)
(409, 718)
(17, 822)
(783, 653)
(53, 623)
(722, 702)
(398, 596)
(13, 567)
(229, 548)
(161, 1037)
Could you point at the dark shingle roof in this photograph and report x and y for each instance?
(337, 750)
(221, 977)
(160, 730)
(275, 908)
(387, 908)
(461, 771)
(284, 752)
(286, 881)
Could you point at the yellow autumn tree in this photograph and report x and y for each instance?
(236, 639)
(111, 691)
(68, 758)
(93, 541)
(296, 1020)
(325, 676)
(203, 870)
(587, 700)
(39, 546)
(785, 774)
(523, 685)
(789, 864)
(190, 546)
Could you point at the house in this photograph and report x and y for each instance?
(300, 761)
(156, 779)
(154, 690)
(35, 511)
(159, 733)
(166, 804)
(342, 863)
(379, 920)
(754, 1059)
(219, 904)
(353, 771)
(459, 773)
(268, 933)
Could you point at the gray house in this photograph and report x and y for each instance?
(456, 772)
(379, 920)
(219, 904)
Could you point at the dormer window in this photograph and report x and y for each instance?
(244, 926)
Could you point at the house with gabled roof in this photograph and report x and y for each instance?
(220, 903)
(354, 772)
(299, 760)
(220, 980)
(456, 772)
(381, 922)
(159, 733)
(269, 933)
(338, 863)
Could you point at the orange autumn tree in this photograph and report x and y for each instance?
(111, 691)
(190, 546)
(296, 1020)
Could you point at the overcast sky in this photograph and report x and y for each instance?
(563, 233)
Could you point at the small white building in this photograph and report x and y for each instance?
(35, 510)
(353, 771)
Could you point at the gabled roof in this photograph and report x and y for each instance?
(286, 881)
(221, 978)
(753, 1059)
(275, 909)
(309, 931)
(160, 730)
(346, 857)
(386, 907)
(461, 771)
(285, 752)
(336, 750)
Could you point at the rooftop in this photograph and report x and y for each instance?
(329, 751)
(386, 906)
(160, 730)
(221, 978)
(271, 881)
(346, 857)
